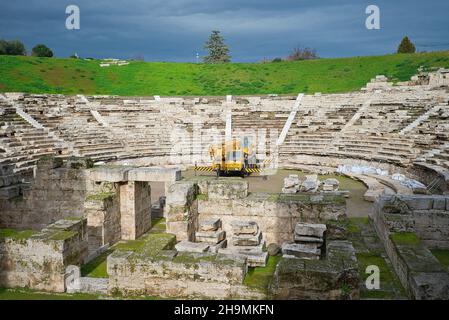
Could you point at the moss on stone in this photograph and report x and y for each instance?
(388, 279)
(260, 277)
(62, 235)
(355, 223)
(149, 244)
(202, 196)
(405, 238)
(97, 268)
(101, 196)
(158, 225)
(442, 255)
(73, 219)
(15, 234)
(188, 258)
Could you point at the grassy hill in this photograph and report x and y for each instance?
(72, 76)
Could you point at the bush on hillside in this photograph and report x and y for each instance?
(12, 48)
(299, 53)
(42, 50)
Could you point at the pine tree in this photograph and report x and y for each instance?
(406, 46)
(218, 50)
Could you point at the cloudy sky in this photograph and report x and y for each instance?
(175, 30)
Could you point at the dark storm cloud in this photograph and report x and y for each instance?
(172, 30)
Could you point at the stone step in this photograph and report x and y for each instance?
(211, 237)
(188, 246)
(310, 230)
(247, 239)
(296, 250)
(211, 224)
(244, 227)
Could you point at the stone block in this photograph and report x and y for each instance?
(305, 239)
(291, 182)
(211, 237)
(309, 185)
(214, 248)
(227, 189)
(257, 260)
(430, 285)
(212, 224)
(310, 229)
(6, 169)
(9, 192)
(301, 251)
(273, 249)
(179, 228)
(247, 239)
(188, 246)
(419, 202)
(154, 174)
(439, 204)
(447, 204)
(290, 190)
(180, 193)
(109, 174)
(244, 227)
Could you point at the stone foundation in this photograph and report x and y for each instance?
(335, 277)
(38, 260)
(408, 226)
(275, 214)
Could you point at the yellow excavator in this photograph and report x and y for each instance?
(233, 157)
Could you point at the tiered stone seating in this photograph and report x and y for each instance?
(395, 126)
(361, 126)
(318, 121)
(23, 144)
(432, 136)
(71, 120)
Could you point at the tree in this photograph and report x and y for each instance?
(3, 45)
(300, 53)
(12, 48)
(42, 50)
(406, 46)
(218, 50)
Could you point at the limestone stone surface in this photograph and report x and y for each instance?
(109, 174)
(227, 189)
(210, 224)
(244, 227)
(301, 251)
(310, 229)
(273, 249)
(246, 239)
(212, 237)
(154, 174)
(188, 246)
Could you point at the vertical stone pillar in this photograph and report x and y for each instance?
(135, 209)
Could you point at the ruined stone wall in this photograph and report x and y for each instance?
(38, 260)
(228, 199)
(335, 277)
(180, 210)
(408, 226)
(103, 218)
(135, 209)
(158, 270)
(57, 192)
(426, 216)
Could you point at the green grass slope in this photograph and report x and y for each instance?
(71, 76)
